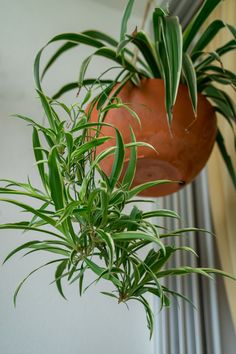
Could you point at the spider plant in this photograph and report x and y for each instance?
(78, 214)
(170, 53)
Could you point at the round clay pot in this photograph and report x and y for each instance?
(183, 150)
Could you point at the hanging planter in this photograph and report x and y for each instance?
(183, 149)
(171, 81)
(81, 216)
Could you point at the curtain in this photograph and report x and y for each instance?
(183, 328)
(222, 193)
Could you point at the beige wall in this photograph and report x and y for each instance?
(223, 196)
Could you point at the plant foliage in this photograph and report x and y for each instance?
(169, 53)
(79, 214)
(80, 218)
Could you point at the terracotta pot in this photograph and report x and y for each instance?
(182, 152)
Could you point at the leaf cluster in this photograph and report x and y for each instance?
(81, 219)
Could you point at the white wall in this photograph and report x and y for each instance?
(42, 321)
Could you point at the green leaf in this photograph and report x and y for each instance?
(25, 225)
(149, 313)
(37, 69)
(107, 53)
(218, 272)
(122, 45)
(112, 149)
(226, 48)
(190, 76)
(160, 213)
(131, 168)
(118, 160)
(155, 260)
(226, 157)
(66, 88)
(49, 134)
(193, 28)
(79, 276)
(164, 300)
(176, 294)
(58, 275)
(165, 70)
(223, 101)
(104, 37)
(182, 271)
(65, 47)
(106, 237)
(55, 180)
(28, 194)
(88, 146)
(171, 58)
(187, 249)
(136, 276)
(95, 125)
(206, 37)
(20, 248)
(69, 210)
(140, 188)
(39, 156)
(149, 277)
(31, 273)
(142, 42)
(104, 198)
(47, 110)
(190, 270)
(47, 247)
(109, 294)
(217, 78)
(31, 122)
(102, 98)
(225, 106)
(232, 29)
(83, 69)
(93, 34)
(158, 15)
(119, 105)
(125, 19)
(101, 272)
(136, 235)
(74, 85)
(28, 208)
(223, 73)
(114, 89)
(75, 38)
(69, 143)
(91, 38)
(179, 232)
